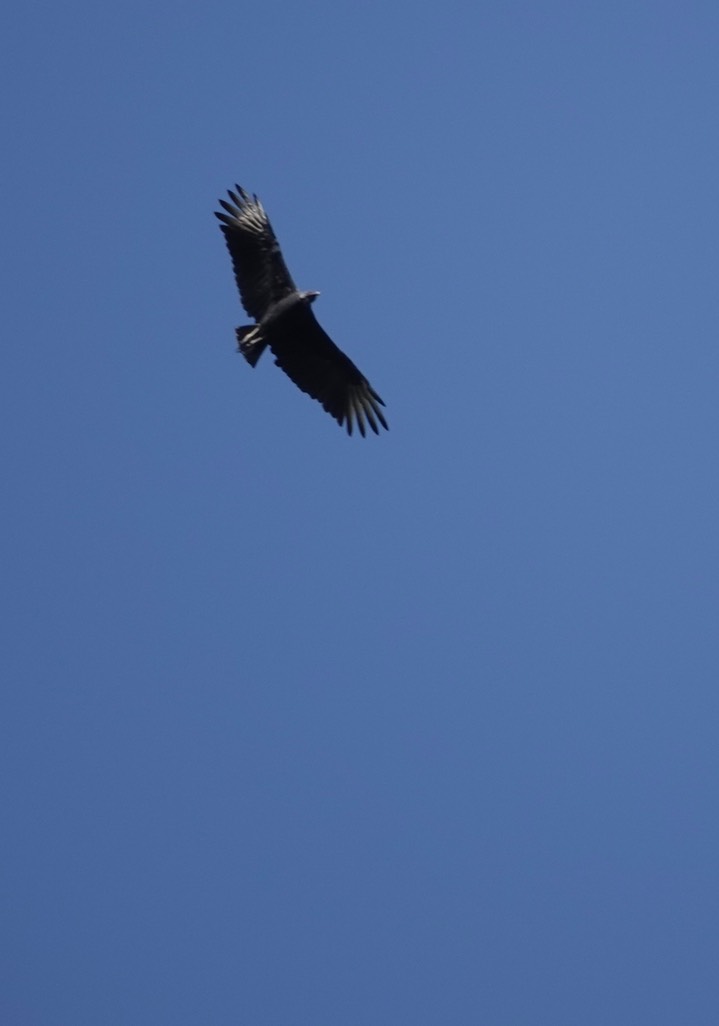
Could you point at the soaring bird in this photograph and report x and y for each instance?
(285, 321)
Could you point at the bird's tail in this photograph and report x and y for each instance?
(250, 343)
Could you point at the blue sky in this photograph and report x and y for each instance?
(418, 729)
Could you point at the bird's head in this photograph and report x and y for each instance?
(309, 297)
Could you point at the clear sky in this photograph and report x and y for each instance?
(304, 730)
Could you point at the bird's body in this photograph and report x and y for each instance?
(285, 321)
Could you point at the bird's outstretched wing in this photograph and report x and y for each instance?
(306, 353)
(260, 271)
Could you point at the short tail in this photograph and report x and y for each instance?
(250, 343)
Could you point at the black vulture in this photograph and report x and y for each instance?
(285, 321)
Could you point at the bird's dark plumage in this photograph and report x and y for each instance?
(285, 321)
